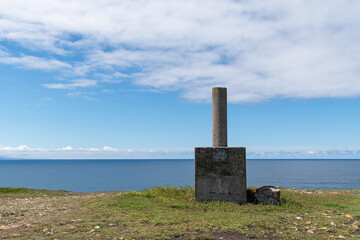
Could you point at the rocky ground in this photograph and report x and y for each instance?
(172, 213)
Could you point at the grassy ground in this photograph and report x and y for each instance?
(172, 213)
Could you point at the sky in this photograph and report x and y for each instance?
(133, 79)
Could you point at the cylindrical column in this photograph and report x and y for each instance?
(219, 117)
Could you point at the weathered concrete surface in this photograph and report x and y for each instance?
(219, 116)
(220, 174)
(268, 195)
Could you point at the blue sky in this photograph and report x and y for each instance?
(133, 79)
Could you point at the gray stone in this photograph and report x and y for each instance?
(219, 117)
(220, 174)
(268, 195)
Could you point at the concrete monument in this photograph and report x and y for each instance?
(220, 171)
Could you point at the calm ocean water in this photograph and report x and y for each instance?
(108, 175)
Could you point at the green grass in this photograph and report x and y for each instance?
(169, 212)
(28, 192)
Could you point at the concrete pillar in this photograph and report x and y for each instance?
(219, 117)
(220, 171)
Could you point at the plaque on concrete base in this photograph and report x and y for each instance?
(220, 174)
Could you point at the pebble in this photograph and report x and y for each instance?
(76, 220)
(348, 216)
(333, 224)
(13, 225)
(97, 227)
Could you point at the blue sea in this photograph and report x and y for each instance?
(124, 175)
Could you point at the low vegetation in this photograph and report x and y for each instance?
(172, 213)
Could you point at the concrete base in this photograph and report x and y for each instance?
(220, 174)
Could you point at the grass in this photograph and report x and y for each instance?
(28, 192)
(169, 213)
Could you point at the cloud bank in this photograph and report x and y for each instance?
(107, 152)
(259, 49)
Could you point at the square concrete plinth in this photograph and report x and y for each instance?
(220, 174)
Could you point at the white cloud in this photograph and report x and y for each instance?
(19, 148)
(107, 152)
(259, 49)
(48, 99)
(107, 148)
(67, 148)
(78, 83)
(83, 95)
(32, 62)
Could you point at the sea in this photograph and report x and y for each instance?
(136, 175)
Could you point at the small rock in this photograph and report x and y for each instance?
(76, 220)
(97, 227)
(299, 218)
(10, 226)
(348, 216)
(333, 224)
(268, 195)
